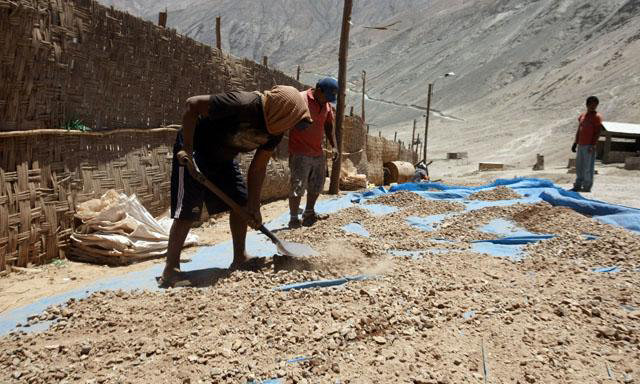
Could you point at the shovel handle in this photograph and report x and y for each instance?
(196, 174)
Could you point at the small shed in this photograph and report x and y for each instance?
(621, 140)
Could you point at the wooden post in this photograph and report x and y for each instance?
(334, 187)
(265, 61)
(379, 133)
(413, 134)
(218, 34)
(162, 18)
(364, 81)
(426, 125)
(367, 129)
(298, 74)
(395, 135)
(351, 111)
(607, 148)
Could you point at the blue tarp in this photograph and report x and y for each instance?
(323, 283)
(532, 191)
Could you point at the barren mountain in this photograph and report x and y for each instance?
(523, 67)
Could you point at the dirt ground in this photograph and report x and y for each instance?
(22, 288)
(445, 315)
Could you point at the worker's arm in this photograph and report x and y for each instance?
(196, 106)
(575, 141)
(330, 132)
(255, 179)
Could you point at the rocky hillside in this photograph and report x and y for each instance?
(523, 67)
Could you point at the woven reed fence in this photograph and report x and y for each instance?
(64, 60)
(57, 169)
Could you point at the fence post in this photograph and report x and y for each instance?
(218, 34)
(162, 18)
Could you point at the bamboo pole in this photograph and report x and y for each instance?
(334, 187)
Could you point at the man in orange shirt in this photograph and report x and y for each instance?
(306, 156)
(589, 128)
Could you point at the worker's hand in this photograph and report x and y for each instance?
(574, 147)
(255, 219)
(184, 157)
(334, 153)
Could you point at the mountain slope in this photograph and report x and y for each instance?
(524, 67)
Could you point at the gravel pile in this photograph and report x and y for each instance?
(442, 318)
(495, 194)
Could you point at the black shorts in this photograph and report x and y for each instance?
(187, 194)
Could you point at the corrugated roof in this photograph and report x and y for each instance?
(626, 128)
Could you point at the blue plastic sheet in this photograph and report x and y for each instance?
(532, 191)
(427, 223)
(356, 228)
(505, 228)
(323, 283)
(612, 269)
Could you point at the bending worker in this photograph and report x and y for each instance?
(306, 156)
(215, 128)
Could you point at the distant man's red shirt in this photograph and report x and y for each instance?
(308, 142)
(590, 124)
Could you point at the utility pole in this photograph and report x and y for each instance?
(426, 124)
(334, 187)
(218, 34)
(364, 81)
(298, 73)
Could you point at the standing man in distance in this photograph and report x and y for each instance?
(589, 129)
(306, 156)
(215, 129)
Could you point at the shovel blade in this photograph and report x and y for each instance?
(295, 249)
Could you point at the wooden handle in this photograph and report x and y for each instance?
(196, 174)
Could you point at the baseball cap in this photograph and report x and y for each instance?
(329, 87)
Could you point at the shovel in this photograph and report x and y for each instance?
(285, 248)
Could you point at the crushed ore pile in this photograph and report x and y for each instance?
(438, 319)
(495, 194)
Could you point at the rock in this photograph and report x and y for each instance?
(379, 339)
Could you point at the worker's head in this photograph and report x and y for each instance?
(592, 103)
(328, 90)
(284, 108)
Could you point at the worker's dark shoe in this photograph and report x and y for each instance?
(575, 189)
(586, 191)
(308, 219)
(294, 222)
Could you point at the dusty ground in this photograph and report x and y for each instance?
(451, 317)
(22, 288)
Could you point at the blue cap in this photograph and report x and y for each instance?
(329, 87)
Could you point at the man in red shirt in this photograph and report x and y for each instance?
(306, 156)
(589, 128)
